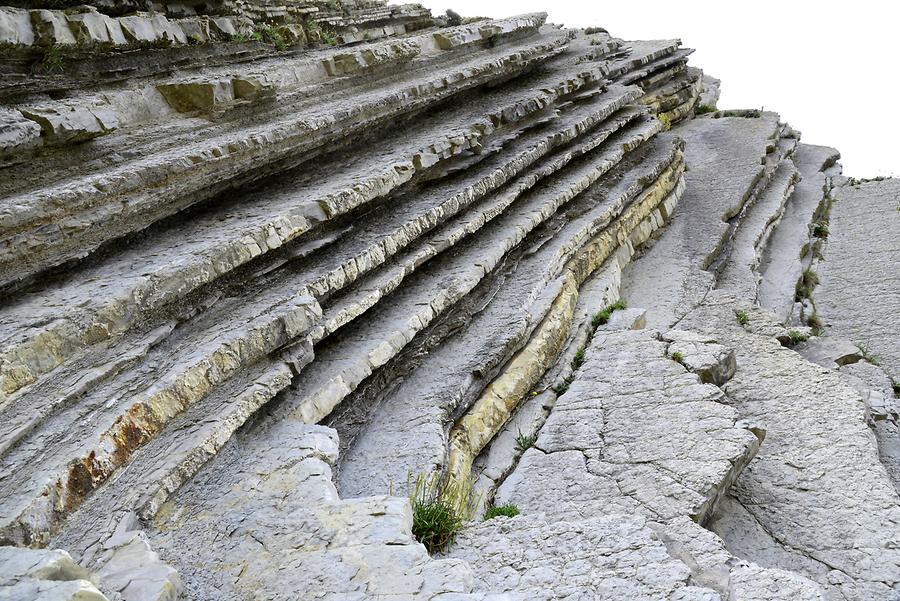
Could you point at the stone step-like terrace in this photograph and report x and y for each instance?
(246, 298)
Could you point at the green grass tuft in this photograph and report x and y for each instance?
(742, 317)
(329, 37)
(509, 510)
(440, 509)
(560, 389)
(578, 359)
(524, 441)
(820, 229)
(602, 317)
(796, 337)
(52, 60)
(868, 355)
(678, 356)
(704, 109)
(806, 283)
(270, 35)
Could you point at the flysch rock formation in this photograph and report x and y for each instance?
(264, 264)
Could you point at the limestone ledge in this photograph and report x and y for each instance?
(150, 411)
(87, 27)
(320, 400)
(84, 26)
(87, 117)
(131, 196)
(44, 349)
(488, 414)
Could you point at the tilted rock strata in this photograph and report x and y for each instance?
(634, 434)
(266, 262)
(784, 512)
(856, 304)
(814, 486)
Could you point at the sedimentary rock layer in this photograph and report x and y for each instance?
(264, 264)
(861, 304)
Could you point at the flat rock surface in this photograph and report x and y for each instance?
(815, 499)
(858, 295)
(781, 264)
(724, 156)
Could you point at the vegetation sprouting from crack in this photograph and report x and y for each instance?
(602, 317)
(524, 441)
(867, 354)
(509, 510)
(52, 60)
(795, 337)
(804, 287)
(440, 509)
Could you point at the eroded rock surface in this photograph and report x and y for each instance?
(264, 264)
(861, 305)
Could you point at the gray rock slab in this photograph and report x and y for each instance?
(781, 264)
(264, 518)
(757, 223)
(602, 557)
(829, 352)
(615, 449)
(816, 496)
(724, 156)
(702, 355)
(859, 278)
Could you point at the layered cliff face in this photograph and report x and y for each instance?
(264, 263)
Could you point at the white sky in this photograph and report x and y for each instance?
(830, 69)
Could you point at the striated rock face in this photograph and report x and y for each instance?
(263, 264)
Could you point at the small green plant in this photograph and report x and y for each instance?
(820, 229)
(704, 109)
(509, 510)
(742, 317)
(524, 441)
(678, 356)
(868, 355)
(795, 337)
(329, 37)
(564, 386)
(593, 30)
(440, 509)
(256, 36)
(665, 120)
(194, 39)
(52, 61)
(602, 317)
(272, 36)
(333, 4)
(815, 322)
(806, 283)
(239, 38)
(578, 359)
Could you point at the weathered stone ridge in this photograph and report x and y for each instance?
(264, 264)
